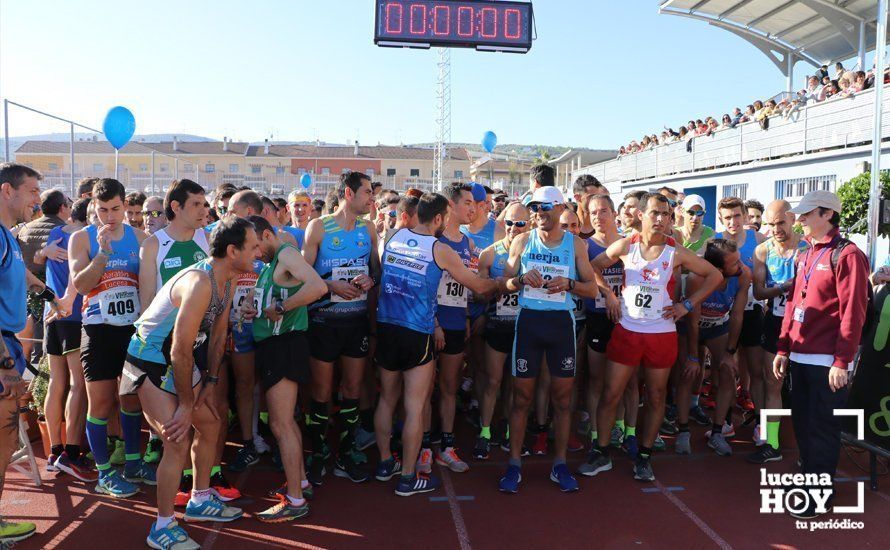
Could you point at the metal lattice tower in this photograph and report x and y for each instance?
(443, 118)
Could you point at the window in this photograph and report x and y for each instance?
(301, 171)
(370, 172)
(143, 167)
(210, 168)
(165, 166)
(280, 169)
(459, 174)
(53, 166)
(798, 187)
(256, 169)
(325, 171)
(390, 171)
(97, 167)
(415, 173)
(233, 168)
(739, 190)
(345, 171)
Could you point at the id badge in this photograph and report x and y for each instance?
(798, 314)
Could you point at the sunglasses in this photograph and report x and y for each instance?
(541, 207)
(696, 213)
(392, 213)
(565, 226)
(673, 203)
(511, 223)
(500, 199)
(222, 210)
(152, 213)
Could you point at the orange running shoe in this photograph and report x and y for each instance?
(425, 462)
(223, 489)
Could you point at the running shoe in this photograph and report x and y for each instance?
(425, 461)
(643, 469)
(482, 449)
(185, 491)
(140, 473)
(539, 447)
(222, 489)
(172, 537)
(707, 402)
(697, 415)
(308, 491)
(13, 532)
(682, 445)
(511, 480)
(244, 458)
(260, 445)
(364, 439)
(284, 511)
(114, 485)
(561, 476)
(450, 460)
(596, 462)
(416, 485)
(505, 446)
(764, 454)
(574, 444)
(719, 444)
(668, 427)
(346, 468)
(744, 400)
(119, 454)
(51, 463)
(659, 444)
(756, 436)
(671, 413)
(616, 437)
(211, 509)
(153, 451)
(387, 469)
(630, 446)
(80, 468)
(584, 425)
(727, 430)
(316, 471)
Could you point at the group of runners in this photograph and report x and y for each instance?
(385, 317)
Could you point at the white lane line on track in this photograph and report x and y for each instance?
(463, 536)
(706, 529)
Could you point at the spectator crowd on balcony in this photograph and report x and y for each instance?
(819, 87)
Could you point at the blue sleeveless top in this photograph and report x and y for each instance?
(550, 262)
(502, 311)
(715, 308)
(614, 276)
(58, 273)
(409, 282)
(341, 255)
(484, 238)
(13, 289)
(455, 317)
(298, 234)
(746, 252)
(115, 299)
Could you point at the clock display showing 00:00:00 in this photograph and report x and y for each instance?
(468, 23)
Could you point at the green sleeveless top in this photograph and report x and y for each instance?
(266, 292)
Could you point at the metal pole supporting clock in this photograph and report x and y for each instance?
(443, 117)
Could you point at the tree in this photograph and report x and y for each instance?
(544, 157)
(854, 196)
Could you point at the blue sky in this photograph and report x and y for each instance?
(602, 72)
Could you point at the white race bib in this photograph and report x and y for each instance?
(779, 305)
(614, 282)
(348, 274)
(508, 305)
(548, 272)
(119, 305)
(450, 292)
(644, 302)
(580, 312)
(749, 305)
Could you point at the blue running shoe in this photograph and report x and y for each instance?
(630, 446)
(211, 509)
(387, 469)
(172, 537)
(560, 474)
(510, 482)
(112, 484)
(416, 485)
(141, 473)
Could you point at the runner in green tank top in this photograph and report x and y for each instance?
(285, 287)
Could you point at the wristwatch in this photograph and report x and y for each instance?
(688, 305)
(279, 306)
(7, 363)
(208, 379)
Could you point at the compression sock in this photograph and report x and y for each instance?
(97, 436)
(348, 425)
(485, 432)
(772, 434)
(131, 423)
(317, 425)
(630, 431)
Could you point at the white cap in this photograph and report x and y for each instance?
(549, 194)
(817, 199)
(694, 200)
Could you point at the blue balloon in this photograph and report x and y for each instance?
(489, 141)
(306, 181)
(119, 126)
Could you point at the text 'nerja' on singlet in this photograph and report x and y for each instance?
(502, 311)
(342, 255)
(115, 298)
(293, 320)
(409, 282)
(451, 296)
(174, 256)
(779, 270)
(648, 289)
(152, 340)
(550, 263)
(716, 307)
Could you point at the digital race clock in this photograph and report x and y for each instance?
(484, 25)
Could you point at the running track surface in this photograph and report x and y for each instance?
(698, 501)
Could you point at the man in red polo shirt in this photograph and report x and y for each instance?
(820, 333)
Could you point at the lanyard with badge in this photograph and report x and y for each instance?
(807, 274)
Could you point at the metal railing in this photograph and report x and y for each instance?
(833, 124)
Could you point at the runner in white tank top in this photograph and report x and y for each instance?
(648, 289)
